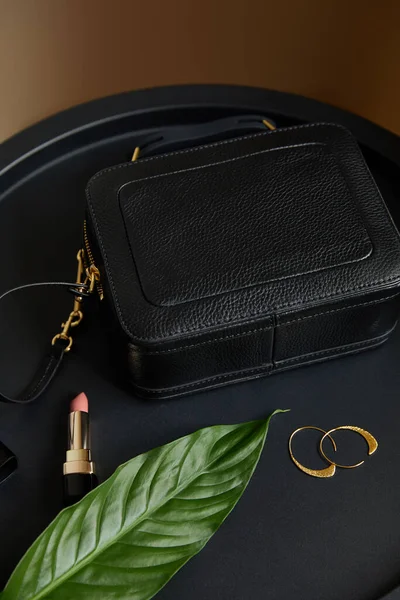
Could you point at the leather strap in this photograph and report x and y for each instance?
(51, 363)
(178, 137)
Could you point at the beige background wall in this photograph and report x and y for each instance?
(57, 53)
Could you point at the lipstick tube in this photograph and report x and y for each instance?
(79, 469)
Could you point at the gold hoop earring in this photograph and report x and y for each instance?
(323, 473)
(371, 441)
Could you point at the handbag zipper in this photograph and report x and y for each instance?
(90, 262)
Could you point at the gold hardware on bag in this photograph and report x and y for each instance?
(269, 125)
(92, 277)
(90, 258)
(135, 154)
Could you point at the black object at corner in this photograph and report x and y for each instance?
(8, 462)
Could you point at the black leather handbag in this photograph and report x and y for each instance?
(243, 257)
(237, 258)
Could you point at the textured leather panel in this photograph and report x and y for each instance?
(257, 372)
(303, 335)
(300, 340)
(146, 323)
(204, 361)
(277, 213)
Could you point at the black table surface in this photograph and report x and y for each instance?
(291, 536)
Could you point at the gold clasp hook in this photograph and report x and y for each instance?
(76, 316)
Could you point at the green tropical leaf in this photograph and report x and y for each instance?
(129, 536)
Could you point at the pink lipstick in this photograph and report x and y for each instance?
(79, 469)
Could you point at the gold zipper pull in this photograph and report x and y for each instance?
(93, 276)
(90, 261)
